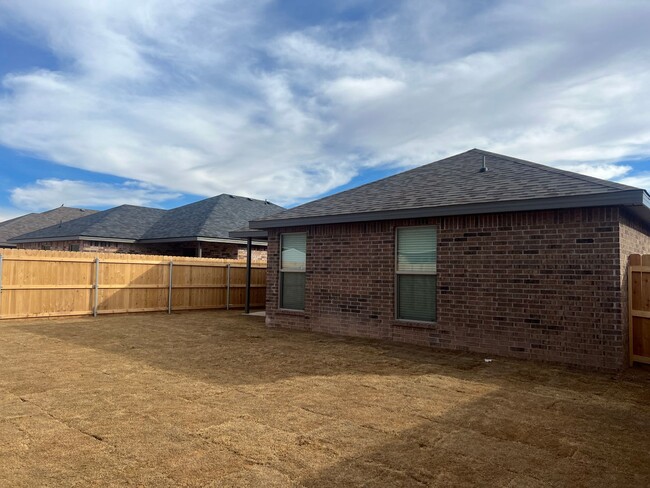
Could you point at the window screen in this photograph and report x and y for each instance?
(292, 271)
(416, 273)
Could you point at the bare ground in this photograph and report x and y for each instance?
(216, 399)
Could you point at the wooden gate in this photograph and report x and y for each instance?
(639, 308)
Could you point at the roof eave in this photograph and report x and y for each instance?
(222, 240)
(18, 240)
(629, 198)
(249, 233)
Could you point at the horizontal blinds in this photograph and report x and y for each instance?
(292, 266)
(416, 298)
(294, 252)
(416, 249)
(293, 291)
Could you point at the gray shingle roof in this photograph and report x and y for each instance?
(124, 222)
(35, 221)
(211, 218)
(453, 182)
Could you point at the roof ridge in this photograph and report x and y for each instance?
(570, 174)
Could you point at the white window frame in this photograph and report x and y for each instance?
(282, 270)
(413, 273)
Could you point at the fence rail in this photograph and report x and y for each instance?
(639, 308)
(54, 283)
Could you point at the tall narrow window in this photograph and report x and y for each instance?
(292, 271)
(416, 273)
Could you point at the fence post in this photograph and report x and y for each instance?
(228, 286)
(169, 297)
(96, 288)
(0, 285)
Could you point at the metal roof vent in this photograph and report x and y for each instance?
(484, 168)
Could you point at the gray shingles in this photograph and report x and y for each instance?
(209, 218)
(35, 221)
(123, 222)
(456, 180)
(213, 218)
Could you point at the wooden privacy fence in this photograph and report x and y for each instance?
(639, 308)
(50, 283)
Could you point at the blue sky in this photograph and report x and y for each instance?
(163, 102)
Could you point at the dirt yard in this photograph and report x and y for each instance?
(216, 399)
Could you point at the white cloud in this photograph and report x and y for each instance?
(348, 90)
(52, 193)
(8, 213)
(641, 180)
(207, 96)
(605, 171)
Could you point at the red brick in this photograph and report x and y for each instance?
(544, 285)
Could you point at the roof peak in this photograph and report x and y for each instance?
(456, 184)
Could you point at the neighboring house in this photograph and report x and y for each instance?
(35, 221)
(197, 229)
(202, 227)
(114, 230)
(520, 260)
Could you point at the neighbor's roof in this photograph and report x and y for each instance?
(35, 221)
(456, 186)
(126, 222)
(210, 218)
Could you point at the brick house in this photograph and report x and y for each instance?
(197, 229)
(477, 252)
(35, 221)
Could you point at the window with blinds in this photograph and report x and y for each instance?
(416, 273)
(293, 252)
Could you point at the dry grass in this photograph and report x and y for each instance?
(216, 399)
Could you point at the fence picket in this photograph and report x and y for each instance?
(639, 308)
(55, 283)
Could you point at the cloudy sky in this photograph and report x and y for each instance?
(163, 102)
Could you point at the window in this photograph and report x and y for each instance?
(292, 271)
(416, 273)
(73, 247)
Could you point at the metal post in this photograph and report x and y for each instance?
(169, 297)
(249, 260)
(0, 285)
(228, 287)
(96, 288)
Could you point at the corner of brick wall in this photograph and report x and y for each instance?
(634, 239)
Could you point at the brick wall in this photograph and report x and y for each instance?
(209, 249)
(536, 285)
(91, 246)
(635, 239)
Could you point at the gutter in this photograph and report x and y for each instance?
(632, 198)
(252, 233)
(198, 239)
(73, 238)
